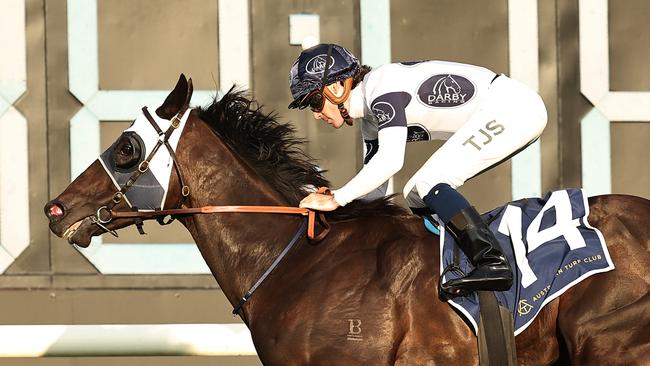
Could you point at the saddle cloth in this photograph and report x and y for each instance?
(550, 247)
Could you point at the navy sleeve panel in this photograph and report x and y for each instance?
(371, 149)
(389, 109)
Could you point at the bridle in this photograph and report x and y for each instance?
(105, 214)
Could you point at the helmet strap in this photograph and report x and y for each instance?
(347, 88)
(339, 100)
(344, 113)
(326, 72)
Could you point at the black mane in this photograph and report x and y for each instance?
(275, 153)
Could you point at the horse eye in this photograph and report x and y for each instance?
(127, 149)
(127, 153)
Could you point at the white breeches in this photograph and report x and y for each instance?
(510, 117)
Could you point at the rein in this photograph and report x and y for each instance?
(105, 214)
(311, 215)
(163, 139)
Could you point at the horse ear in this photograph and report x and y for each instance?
(176, 99)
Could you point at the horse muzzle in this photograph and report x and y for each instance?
(81, 232)
(55, 211)
(78, 232)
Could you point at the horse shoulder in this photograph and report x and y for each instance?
(396, 249)
(372, 278)
(406, 274)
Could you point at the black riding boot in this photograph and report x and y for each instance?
(491, 270)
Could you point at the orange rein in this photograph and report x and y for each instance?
(311, 215)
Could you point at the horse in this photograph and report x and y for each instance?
(366, 293)
(446, 86)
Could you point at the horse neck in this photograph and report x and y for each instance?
(237, 247)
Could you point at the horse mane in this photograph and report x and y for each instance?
(271, 148)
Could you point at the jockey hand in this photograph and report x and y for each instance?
(319, 202)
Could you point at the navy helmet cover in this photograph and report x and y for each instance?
(306, 73)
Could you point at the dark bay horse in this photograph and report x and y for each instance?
(367, 293)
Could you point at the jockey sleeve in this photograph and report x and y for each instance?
(376, 193)
(387, 161)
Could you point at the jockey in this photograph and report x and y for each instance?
(485, 118)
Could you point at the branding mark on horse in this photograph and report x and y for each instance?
(354, 330)
(446, 90)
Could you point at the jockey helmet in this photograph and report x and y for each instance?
(308, 71)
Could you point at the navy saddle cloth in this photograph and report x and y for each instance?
(550, 247)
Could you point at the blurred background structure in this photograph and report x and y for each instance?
(73, 73)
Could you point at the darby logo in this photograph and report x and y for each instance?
(417, 132)
(446, 90)
(316, 65)
(384, 112)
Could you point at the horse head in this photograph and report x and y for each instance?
(226, 153)
(133, 173)
(446, 85)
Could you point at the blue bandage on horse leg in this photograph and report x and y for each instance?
(445, 201)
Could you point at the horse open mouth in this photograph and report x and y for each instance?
(80, 232)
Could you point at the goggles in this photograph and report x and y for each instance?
(316, 99)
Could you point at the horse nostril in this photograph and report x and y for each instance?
(54, 211)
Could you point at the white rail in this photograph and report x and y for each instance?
(125, 340)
